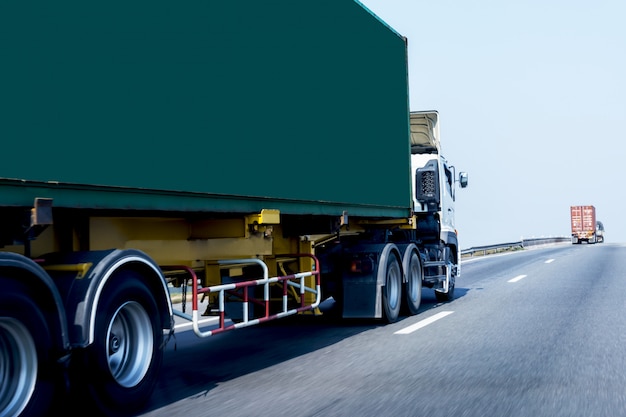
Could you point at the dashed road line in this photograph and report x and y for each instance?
(520, 277)
(423, 323)
(517, 278)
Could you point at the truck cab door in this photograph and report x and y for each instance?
(447, 198)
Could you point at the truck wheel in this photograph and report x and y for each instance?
(413, 287)
(120, 369)
(448, 296)
(392, 291)
(27, 375)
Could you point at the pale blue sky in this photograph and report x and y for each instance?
(532, 101)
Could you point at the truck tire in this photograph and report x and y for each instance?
(119, 371)
(27, 374)
(448, 296)
(413, 287)
(392, 290)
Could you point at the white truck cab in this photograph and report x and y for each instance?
(434, 187)
(437, 189)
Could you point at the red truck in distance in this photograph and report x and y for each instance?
(585, 227)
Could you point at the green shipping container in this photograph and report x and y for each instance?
(231, 105)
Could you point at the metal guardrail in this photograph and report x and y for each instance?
(524, 243)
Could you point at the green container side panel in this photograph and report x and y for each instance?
(301, 101)
(18, 194)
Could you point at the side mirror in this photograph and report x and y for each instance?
(463, 179)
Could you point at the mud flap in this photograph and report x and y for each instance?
(360, 297)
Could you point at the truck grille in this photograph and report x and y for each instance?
(428, 185)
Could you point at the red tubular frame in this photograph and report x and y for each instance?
(265, 282)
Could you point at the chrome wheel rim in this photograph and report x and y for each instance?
(18, 366)
(129, 344)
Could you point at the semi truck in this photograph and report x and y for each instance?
(222, 163)
(584, 225)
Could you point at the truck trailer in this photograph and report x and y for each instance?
(584, 225)
(247, 159)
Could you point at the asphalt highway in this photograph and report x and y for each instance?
(533, 333)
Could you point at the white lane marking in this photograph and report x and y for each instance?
(517, 278)
(424, 323)
(549, 261)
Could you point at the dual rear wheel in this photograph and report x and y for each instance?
(116, 374)
(397, 296)
(407, 297)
